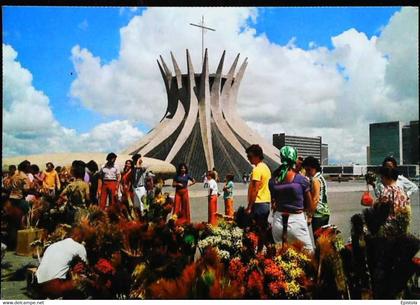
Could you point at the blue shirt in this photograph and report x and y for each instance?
(229, 190)
(184, 180)
(289, 196)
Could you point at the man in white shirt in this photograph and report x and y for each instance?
(53, 273)
(402, 182)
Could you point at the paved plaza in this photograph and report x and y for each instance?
(344, 200)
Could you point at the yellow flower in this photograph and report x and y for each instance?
(295, 273)
(292, 289)
(138, 272)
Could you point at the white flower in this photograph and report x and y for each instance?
(223, 254)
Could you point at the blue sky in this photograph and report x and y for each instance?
(96, 82)
(44, 36)
(320, 24)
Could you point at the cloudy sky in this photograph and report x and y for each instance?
(86, 79)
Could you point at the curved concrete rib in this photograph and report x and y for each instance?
(167, 79)
(217, 112)
(237, 124)
(178, 73)
(191, 115)
(152, 133)
(204, 113)
(168, 127)
(165, 67)
(228, 83)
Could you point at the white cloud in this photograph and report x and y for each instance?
(83, 25)
(29, 125)
(331, 93)
(399, 41)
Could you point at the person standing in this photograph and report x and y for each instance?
(393, 195)
(205, 180)
(291, 197)
(182, 198)
(216, 174)
(76, 194)
(51, 181)
(19, 188)
(402, 182)
(298, 167)
(92, 169)
(228, 195)
(319, 196)
(38, 177)
(109, 178)
(212, 198)
(64, 176)
(259, 197)
(126, 187)
(139, 174)
(7, 181)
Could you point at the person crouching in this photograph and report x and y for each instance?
(55, 275)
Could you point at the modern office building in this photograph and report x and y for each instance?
(393, 139)
(410, 136)
(306, 146)
(324, 154)
(385, 139)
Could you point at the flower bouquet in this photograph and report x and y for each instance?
(226, 239)
(280, 272)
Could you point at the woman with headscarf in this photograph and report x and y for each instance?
(290, 194)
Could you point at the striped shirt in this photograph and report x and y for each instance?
(322, 208)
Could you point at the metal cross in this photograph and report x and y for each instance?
(201, 25)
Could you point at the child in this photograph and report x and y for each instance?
(228, 195)
(213, 193)
(205, 181)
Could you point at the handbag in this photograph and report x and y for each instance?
(367, 199)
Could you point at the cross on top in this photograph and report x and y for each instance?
(203, 28)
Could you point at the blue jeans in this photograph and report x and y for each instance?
(260, 212)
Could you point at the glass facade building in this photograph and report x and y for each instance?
(385, 139)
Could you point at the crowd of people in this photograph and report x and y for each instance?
(296, 193)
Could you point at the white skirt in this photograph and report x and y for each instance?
(297, 229)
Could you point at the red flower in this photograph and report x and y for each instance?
(276, 287)
(237, 269)
(104, 266)
(255, 281)
(272, 271)
(252, 238)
